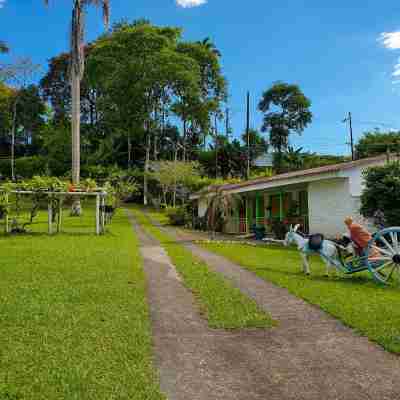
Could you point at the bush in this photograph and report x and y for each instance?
(26, 167)
(177, 216)
(279, 230)
(382, 192)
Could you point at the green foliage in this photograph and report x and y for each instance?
(7, 97)
(286, 110)
(25, 167)
(119, 187)
(174, 175)
(57, 147)
(382, 192)
(376, 143)
(37, 184)
(201, 183)
(177, 216)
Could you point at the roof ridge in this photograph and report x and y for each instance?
(305, 172)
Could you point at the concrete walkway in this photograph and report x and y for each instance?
(310, 355)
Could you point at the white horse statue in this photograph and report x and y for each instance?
(328, 250)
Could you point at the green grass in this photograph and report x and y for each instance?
(79, 225)
(223, 305)
(74, 320)
(373, 310)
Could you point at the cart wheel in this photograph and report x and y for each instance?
(384, 256)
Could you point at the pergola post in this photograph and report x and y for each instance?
(103, 213)
(60, 210)
(98, 215)
(50, 217)
(7, 226)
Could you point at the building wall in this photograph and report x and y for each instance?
(356, 176)
(330, 202)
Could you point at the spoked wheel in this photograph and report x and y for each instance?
(384, 256)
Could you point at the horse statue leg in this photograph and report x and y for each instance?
(306, 265)
(328, 266)
(329, 254)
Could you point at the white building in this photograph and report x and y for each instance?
(319, 198)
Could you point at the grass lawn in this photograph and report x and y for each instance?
(373, 310)
(223, 305)
(74, 318)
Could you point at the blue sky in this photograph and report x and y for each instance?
(344, 55)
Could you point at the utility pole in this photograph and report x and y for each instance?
(248, 134)
(349, 120)
(216, 146)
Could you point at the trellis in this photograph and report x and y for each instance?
(100, 220)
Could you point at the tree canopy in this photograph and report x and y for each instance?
(382, 192)
(286, 111)
(376, 142)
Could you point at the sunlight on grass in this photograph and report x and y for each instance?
(74, 317)
(357, 300)
(223, 305)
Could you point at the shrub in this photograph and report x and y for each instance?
(177, 216)
(382, 192)
(26, 167)
(279, 230)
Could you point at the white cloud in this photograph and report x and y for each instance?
(189, 3)
(396, 72)
(390, 40)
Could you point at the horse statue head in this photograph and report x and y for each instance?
(291, 235)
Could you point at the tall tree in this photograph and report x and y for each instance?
(374, 143)
(77, 66)
(286, 110)
(19, 74)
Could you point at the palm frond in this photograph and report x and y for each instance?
(105, 6)
(3, 47)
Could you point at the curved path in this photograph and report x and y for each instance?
(310, 355)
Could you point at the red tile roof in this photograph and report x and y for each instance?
(297, 174)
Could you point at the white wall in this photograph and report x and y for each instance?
(330, 202)
(357, 179)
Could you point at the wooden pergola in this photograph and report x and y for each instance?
(100, 221)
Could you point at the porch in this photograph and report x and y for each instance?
(270, 207)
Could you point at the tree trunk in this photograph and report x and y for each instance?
(175, 182)
(129, 150)
(76, 147)
(184, 140)
(146, 170)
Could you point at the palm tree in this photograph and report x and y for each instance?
(77, 66)
(220, 208)
(294, 158)
(209, 45)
